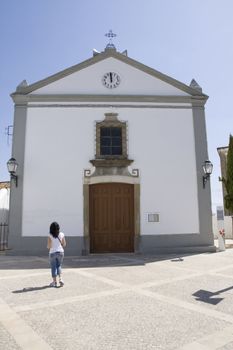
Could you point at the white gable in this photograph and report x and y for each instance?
(89, 81)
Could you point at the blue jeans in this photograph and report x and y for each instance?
(55, 263)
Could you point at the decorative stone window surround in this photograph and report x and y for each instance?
(111, 121)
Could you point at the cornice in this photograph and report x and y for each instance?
(109, 163)
(222, 150)
(20, 99)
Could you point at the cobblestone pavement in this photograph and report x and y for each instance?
(128, 302)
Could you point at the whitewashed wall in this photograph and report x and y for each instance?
(89, 81)
(4, 205)
(58, 149)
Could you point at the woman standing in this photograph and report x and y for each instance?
(56, 244)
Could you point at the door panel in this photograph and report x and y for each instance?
(111, 218)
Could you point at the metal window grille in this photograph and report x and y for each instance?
(153, 217)
(3, 236)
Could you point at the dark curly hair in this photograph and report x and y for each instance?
(54, 229)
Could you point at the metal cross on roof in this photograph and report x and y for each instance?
(110, 35)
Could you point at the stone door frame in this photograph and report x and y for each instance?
(89, 180)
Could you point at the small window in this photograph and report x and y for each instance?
(110, 141)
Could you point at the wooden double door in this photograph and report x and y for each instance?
(111, 218)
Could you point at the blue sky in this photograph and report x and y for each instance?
(184, 39)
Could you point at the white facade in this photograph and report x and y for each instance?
(60, 140)
(89, 81)
(58, 162)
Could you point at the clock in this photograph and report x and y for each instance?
(111, 80)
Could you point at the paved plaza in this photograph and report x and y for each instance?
(120, 302)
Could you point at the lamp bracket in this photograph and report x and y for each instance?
(15, 179)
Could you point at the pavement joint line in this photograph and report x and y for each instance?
(24, 275)
(142, 285)
(102, 279)
(57, 302)
(221, 268)
(68, 269)
(195, 346)
(211, 341)
(216, 274)
(22, 333)
(176, 302)
(114, 283)
(218, 339)
(186, 305)
(165, 281)
(122, 287)
(85, 272)
(181, 268)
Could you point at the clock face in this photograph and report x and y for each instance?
(111, 80)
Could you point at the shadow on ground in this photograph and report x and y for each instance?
(210, 297)
(92, 260)
(30, 289)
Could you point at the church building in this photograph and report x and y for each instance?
(112, 150)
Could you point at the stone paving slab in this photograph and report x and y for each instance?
(126, 321)
(227, 271)
(143, 273)
(229, 346)
(6, 340)
(213, 292)
(28, 290)
(125, 301)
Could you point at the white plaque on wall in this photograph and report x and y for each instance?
(152, 217)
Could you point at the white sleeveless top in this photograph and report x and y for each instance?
(56, 245)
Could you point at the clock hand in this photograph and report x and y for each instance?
(111, 77)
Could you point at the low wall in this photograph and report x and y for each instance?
(227, 226)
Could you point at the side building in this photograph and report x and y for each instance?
(228, 226)
(222, 151)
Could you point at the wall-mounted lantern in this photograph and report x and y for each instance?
(207, 168)
(12, 167)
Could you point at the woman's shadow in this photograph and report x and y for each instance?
(30, 289)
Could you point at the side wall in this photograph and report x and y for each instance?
(16, 196)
